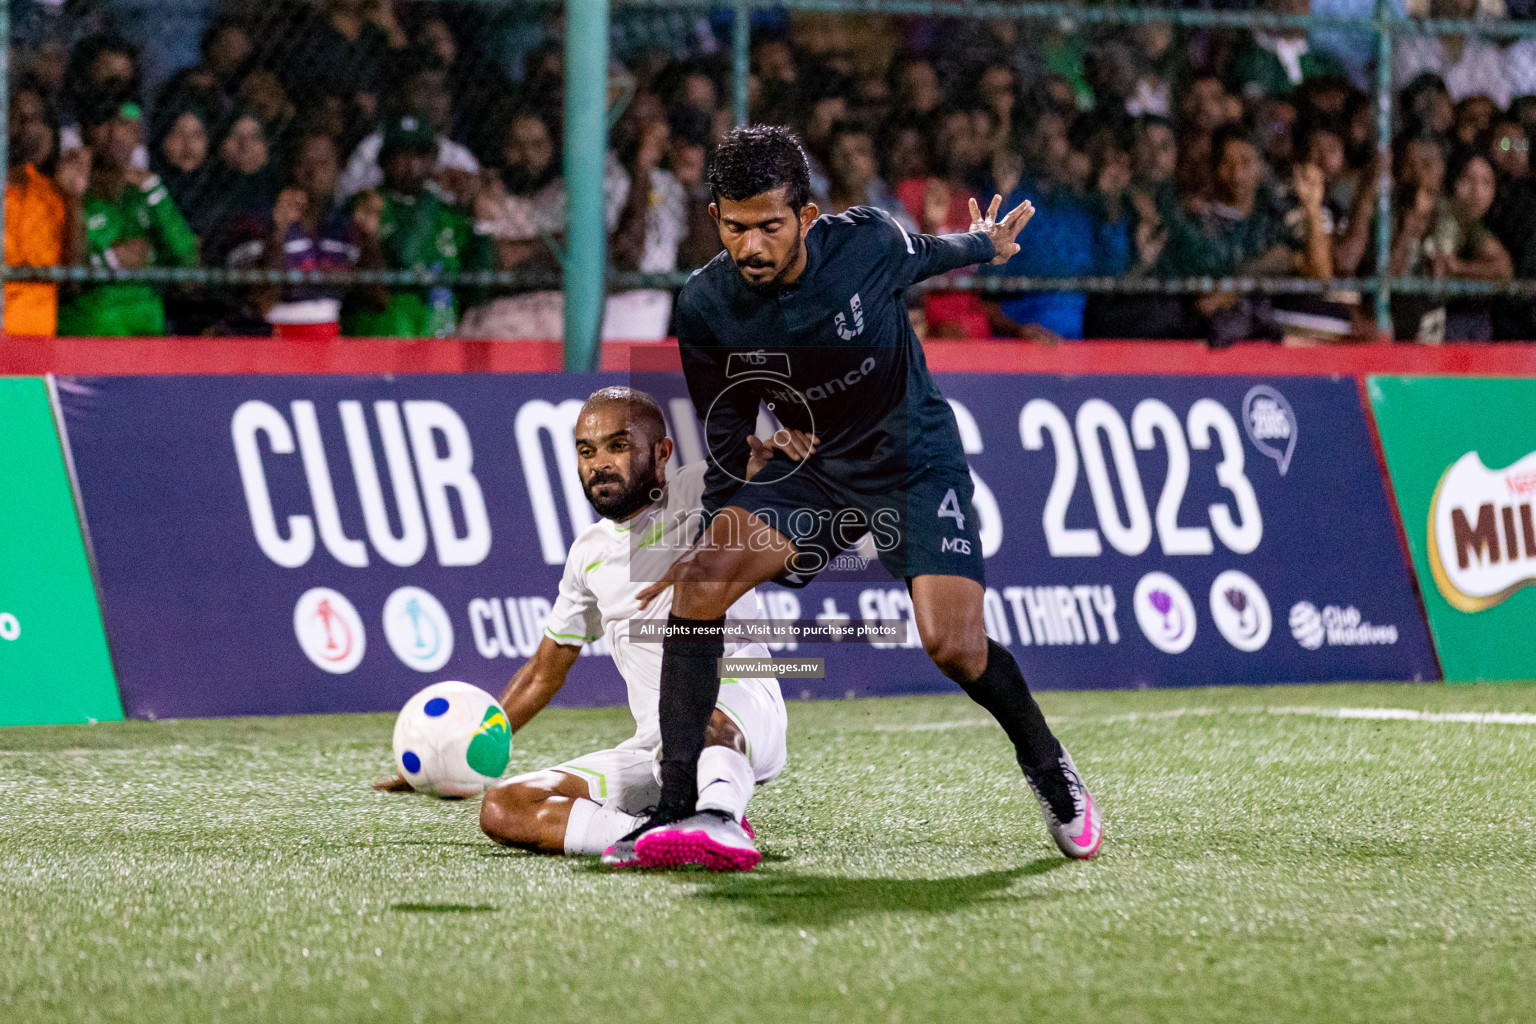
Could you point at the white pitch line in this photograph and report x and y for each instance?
(1359, 714)
(1363, 714)
(1409, 715)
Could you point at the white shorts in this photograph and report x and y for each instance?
(630, 777)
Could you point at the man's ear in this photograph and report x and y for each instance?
(808, 214)
(714, 211)
(662, 451)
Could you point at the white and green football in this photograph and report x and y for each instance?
(452, 740)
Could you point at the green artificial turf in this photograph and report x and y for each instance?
(1258, 867)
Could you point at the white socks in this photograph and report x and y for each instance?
(726, 781)
(592, 827)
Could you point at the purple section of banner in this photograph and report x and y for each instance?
(281, 545)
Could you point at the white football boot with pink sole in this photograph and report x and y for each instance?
(707, 838)
(1078, 838)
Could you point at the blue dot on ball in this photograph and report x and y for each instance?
(436, 706)
(411, 761)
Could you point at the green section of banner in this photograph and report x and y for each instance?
(1462, 455)
(54, 665)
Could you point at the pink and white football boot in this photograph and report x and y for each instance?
(707, 838)
(1061, 792)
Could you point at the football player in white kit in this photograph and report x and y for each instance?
(649, 519)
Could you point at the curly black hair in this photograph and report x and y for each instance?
(752, 160)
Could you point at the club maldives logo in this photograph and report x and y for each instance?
(329, 630)
(1271, 424)
(1482, 537)
(1164, 612)
(418, 629)
(1336, 627)
(1240, 611)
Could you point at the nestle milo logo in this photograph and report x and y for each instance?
(1482, 532)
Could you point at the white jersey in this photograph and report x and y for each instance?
(609, 564)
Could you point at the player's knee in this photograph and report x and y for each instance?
(959, 658)
(722, 732)
(508, 811)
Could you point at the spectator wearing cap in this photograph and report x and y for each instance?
(44, 219)
(425, 102)
(131, 223)
(419, 230)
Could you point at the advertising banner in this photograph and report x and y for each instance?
(53, 655)
(1462, 455)
(333, 543)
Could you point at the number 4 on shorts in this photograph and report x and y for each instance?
(950, 507)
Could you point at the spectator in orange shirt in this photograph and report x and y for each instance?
(43, 219)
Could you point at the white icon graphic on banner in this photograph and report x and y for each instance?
(418, 629)
(329, 630)
(1240, 611)
(1164, 612)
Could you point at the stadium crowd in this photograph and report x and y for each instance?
(385, 134)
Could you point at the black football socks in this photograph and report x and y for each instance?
(690, 685)
(1001, 689)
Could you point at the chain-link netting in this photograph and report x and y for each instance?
(393, 167)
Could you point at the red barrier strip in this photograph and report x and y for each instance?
(373, 355)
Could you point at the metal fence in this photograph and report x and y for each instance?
(583, 274)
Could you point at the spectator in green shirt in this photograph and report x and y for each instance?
(131, 222)
(418, 230)
(1241, 229)
(1275, 63)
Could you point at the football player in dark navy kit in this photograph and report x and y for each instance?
(807, 315)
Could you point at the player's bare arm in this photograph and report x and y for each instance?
(535, 684)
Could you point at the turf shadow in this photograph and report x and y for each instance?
(443, 908)
(802, 900)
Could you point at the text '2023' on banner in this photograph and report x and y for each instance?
(331, 543)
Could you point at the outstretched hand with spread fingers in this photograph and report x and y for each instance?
(1002, 232)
